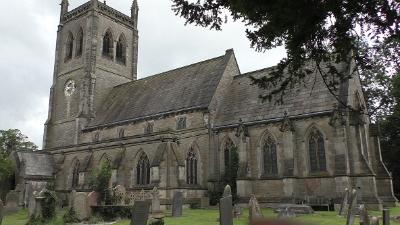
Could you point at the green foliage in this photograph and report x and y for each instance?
(6, 167)
(100, 179)
(49, 205)
(156, 222)
(70, 216)
(317, 36)
(14, 140)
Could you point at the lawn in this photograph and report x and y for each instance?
(209, 217)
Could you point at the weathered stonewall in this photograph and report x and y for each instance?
(226, 207)
(1, 211)
(344, 206)
(352, 208)
(386, 216)
(140, 213)
(254, 209)
(364, 217)
(177, 204)
(81, 206)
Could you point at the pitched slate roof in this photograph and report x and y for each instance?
(188, 87)
(242, 101)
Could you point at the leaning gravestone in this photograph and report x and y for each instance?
(226, 208)
(344, 205)
(177, 204)
(352, 208)
(1, 211)
(254, 209)
(81, 206)
(12, 199)
(140, 213)
(364, 217)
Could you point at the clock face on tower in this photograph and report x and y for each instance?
(69, 88)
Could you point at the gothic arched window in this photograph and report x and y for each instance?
(69, 48)
(121, 49)
(108, 44)
(181, 123)
(79, 43)
(317, 151)
(191, 167)
(228, 148)
(270, 162)
(75, 175)
(143, 170)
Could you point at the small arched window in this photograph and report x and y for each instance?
(143, 170)
(148, 129)
(79, 43)
(181, 123)
(69, 48)
(228, 148)
(75, 175)
(121, 133)
(108, 44)
(270, 163)
(121, 50)
(317, 151)
(191, 167)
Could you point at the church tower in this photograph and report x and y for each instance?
(96, 50)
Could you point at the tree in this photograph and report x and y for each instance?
(324, 32)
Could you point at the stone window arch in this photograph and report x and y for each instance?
(143, 170)
(269, 157)
(69, 46)
(79, 42)
(121, 133)
(121, 49)
(181, 123)
(108, 44)
(228, 147)
(316, 148)
(75, 174)
(191, 167)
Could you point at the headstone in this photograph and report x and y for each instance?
(142, 195)
(177, 204)
(120, 193)
(155, 201)
(93, 198)
(237, 211)
(38, 210)
(1, 211)
(12, 199)
(386, 216)
(344, 206)
(140, 213)
(32, 204)
(81, 206)
(226, 208)
(254, 209)
(364, 217)
(297, 209)
(286, 213)
(375, 220)
(352, 208)
(204, 202)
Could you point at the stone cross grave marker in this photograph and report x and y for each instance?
(177, 204)
(93, 198)
(344, 205)
(140, 213)
(254, 209)
(364, 217)
(1, 211)
(226, 208)
(12, 199)
(352, 208)
(81, 206)
(120, 193)
(386, 216)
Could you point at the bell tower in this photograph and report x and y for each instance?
(96, 50)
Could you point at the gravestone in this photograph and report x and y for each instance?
(177, 204)
(38, 209)
(237, 211)
(120, 193)
(352, 208)
(364, 217)
(375, 220)
(140, 213)
(286, 213)
(93, 198)
(386, 216)
(32, 204)
(297, 209)
(12, 199)
(155, 201)
(254, 209)
(1, 211)
(142, 195)
(226, 208)
(204, 202)
(81, 206)
(344, 205)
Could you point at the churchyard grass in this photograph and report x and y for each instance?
(209, 217)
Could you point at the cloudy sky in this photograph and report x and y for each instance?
(28, 34)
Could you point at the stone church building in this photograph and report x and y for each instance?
(178, 130)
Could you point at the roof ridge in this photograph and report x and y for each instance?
(256, 71)
(168, 71)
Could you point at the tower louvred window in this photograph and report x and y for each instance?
(121, 50)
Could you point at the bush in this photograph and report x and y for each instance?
(70, 216)
(99, 181)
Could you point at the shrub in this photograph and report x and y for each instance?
(70, 216)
